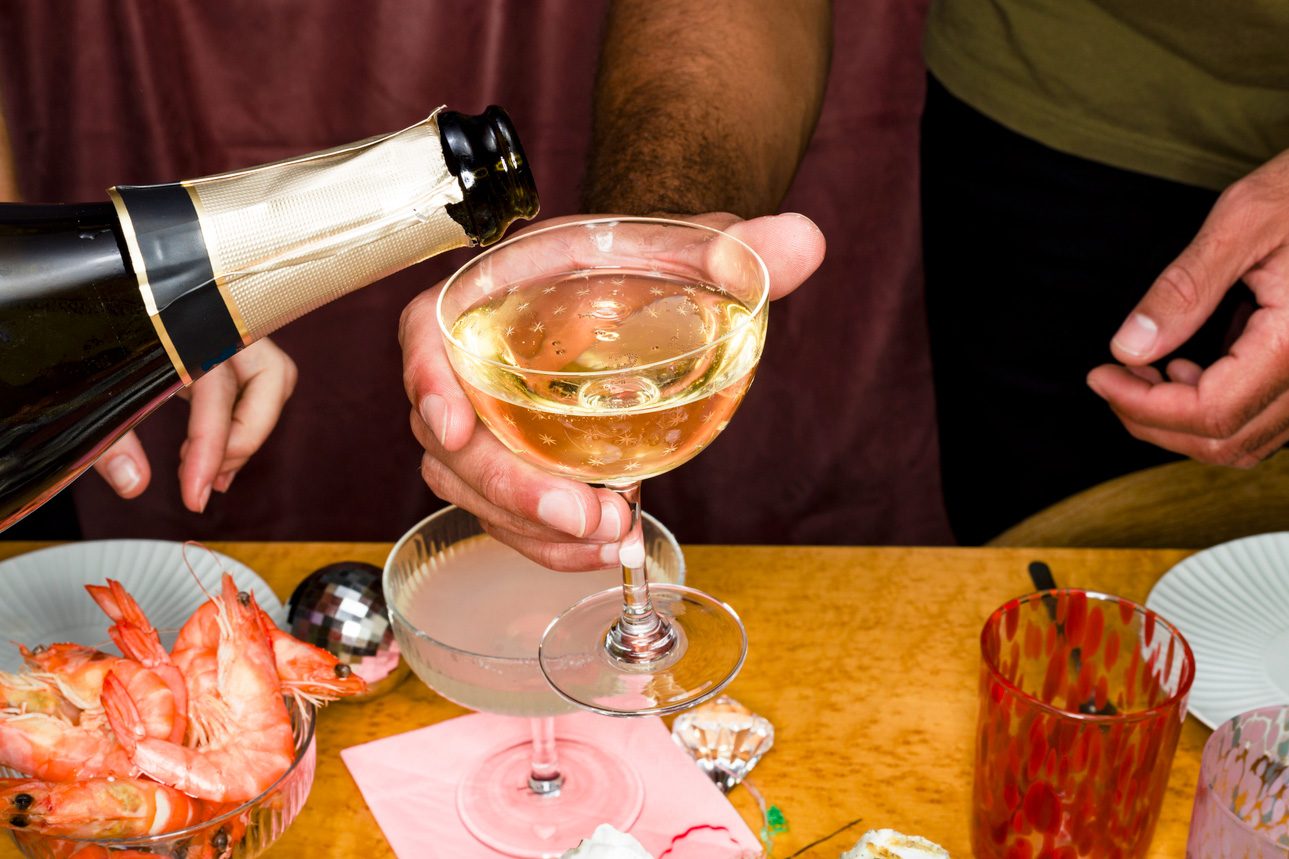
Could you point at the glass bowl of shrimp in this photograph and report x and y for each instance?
(212, 830)
(203, 749)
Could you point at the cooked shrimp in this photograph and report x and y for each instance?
(76, 669)
(310, 673)
(248, 742)
(26, 693)
(153, 699)
(95, 808)
(49, 748)
(138, 640)
(78, 672)
(307, 673)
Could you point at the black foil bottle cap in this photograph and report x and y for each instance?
(485, 155)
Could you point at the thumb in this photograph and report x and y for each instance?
(791, 245)
(125, 466)
(1185, 294)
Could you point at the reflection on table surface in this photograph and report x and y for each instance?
(865, 660)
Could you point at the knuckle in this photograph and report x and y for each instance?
(1238, 196)
(495, 483)
(410, 382)
(1137, 431)
(1245, 461)
(404, 320)
(552, 556)
(561, 557)
(1180, 288)
(435, 474)
(1220, 425)
(1227, 453)
(411, 314)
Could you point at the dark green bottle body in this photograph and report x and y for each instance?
(80, 361)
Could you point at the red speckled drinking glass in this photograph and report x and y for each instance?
(1082, 697)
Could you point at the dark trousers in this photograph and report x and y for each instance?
(1033, 258)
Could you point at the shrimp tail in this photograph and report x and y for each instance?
(122, 714)
(106, 600)
(134, 634)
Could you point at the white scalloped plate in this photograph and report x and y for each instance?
(1231, 602)
(43, 597)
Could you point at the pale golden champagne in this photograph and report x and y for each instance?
(607, 375)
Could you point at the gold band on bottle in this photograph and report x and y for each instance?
(145, 288)
(221, 282)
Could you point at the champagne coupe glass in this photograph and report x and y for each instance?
(468, 613)
(608, 351)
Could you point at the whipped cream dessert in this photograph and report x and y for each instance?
(889, 844)
(608, 843)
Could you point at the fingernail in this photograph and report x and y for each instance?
(632, 553)
(224, 481)
(123, 473)
(561, 510)
(205, 497)
(610, 527)
(437, 416)
(801, 217)
(1137, 335)
(609, 554)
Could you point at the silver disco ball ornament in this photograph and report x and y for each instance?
(341, 608)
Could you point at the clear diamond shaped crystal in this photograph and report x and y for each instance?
(725, 738)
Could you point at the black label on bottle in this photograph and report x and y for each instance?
(174, 266)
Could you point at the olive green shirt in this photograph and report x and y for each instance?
(1196, 91)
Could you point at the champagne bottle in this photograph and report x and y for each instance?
(108, 309)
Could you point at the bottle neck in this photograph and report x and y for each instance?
(225, 260)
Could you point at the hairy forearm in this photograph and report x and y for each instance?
(705, 106)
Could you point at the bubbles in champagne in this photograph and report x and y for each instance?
(609, 310)
(618, 393)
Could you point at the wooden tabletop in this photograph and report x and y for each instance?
(865, 660)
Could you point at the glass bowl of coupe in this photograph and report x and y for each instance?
(469, 613)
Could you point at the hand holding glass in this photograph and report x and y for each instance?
(609, 351)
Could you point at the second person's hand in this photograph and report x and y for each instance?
(562, 524)
(1236, 411)
(234, 407)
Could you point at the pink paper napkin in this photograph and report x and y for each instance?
(410, 781)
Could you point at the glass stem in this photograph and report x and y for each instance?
(640, 635)
(544, 776)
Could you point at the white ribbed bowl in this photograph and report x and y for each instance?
(1231, 602)
(43, 598)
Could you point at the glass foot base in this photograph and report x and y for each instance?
(498, 808)
(710, 648)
